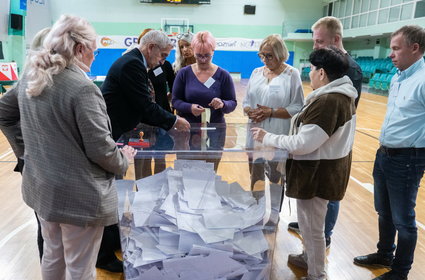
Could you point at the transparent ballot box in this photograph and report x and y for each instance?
(202, 204)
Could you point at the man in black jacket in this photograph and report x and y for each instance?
(126, 88)
(129, 102)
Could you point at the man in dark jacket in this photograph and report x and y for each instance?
(126, 88)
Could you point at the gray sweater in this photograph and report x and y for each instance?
(70, 156)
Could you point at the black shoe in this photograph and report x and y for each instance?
(328, 242)
(374, 260)
(113, 266)
(390, 275)
(294, 227)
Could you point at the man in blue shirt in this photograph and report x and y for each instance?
(400, 160)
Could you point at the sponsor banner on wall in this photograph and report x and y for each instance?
(226, 44)
(238, 44)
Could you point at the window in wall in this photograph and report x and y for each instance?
(346, 22)
(383, 16)
(420, 9)
(363, 20)
(372, 18)
(355, 22)
(349, 8)
(361, 13)
(365, 6)
(356, 8)
(394, 14)
(374, 4)
(335, 11)
(406, 11)
(325, 10)
(384, 3)
(342, 8)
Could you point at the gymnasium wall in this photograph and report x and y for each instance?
(38, 17)
(15, 42)
(4, 18)
(381, 29)
(375, 47)
(12, 40)
(224, 18)
(4, 22)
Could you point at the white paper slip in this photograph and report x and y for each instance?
(268, 205)
(209, 82)
(206, 116)
(100, 78)
(158, 71)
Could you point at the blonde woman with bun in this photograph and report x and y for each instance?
(70, 156)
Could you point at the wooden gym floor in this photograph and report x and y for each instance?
(355, 233)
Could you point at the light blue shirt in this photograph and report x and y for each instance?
(404, 124)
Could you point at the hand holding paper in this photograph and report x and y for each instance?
(197, 110)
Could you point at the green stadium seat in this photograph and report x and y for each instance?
(374, 80)
(386, 81)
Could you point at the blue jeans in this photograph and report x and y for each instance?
(331, 216)
(396, 182)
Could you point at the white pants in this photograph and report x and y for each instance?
(70, 252)
(311, 218)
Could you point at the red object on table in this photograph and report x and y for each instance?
(140, 144)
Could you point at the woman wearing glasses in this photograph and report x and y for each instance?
(202, 86)
(184, 51)
(274, 94)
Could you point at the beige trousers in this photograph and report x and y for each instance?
(311, 219)
(70, 252)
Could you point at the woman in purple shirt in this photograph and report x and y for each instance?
(204, 85)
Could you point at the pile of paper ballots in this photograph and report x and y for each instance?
(186, 223)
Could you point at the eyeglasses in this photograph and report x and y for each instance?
(95, 53)
(203, 56)
(265, 56)
(186, 35)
